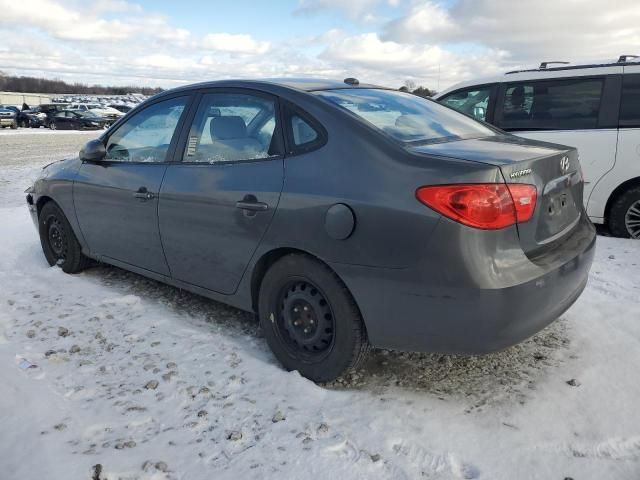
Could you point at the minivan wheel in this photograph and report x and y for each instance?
(624, 216)
(310, 319)
(59, 244)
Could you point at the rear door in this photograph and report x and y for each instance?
(578, 112)
(219, 196)
(116, 199)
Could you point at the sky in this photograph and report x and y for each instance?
(430, 43)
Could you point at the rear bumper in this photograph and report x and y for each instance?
(7, 122)
(490, 308)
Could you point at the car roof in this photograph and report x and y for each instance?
(551, 70)
(302, 84)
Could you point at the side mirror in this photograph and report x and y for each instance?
(93, 151)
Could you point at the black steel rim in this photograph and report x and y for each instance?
(305, 324)
(57, 238)
(632, 220)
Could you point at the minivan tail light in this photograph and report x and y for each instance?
(488, 206)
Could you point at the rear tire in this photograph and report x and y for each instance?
(624, 216)
(310, 320)
(52, 125)
(59, 243)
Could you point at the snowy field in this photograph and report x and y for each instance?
(131, 379)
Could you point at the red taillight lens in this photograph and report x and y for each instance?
(524, 199)
(488, 206)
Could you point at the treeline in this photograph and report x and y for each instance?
(410, 87)
(9, 83)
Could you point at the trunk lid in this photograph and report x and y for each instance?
(553, 169)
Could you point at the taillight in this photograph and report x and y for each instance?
(489, 206)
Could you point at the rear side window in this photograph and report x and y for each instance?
(230, 127)
(551, 105)
(302, 132)
(473, 102)
(630, 103)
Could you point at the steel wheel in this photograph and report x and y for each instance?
(632, 220)
(52, 125)
(306, 321)
(57, 238)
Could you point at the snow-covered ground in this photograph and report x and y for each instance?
(150, 382)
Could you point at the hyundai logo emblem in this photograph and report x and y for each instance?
(564, 164)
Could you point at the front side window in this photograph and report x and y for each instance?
(551, 105)
(146, 136)
(630, 104)
(230, 127)
(473, 102)
(406, 117)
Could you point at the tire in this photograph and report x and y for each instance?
(59, 243)
(14, 125)
(624, 216)
(337, 338)
(52, 125)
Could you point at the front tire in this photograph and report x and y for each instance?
(624, 216)
(310, 320)
(59, 243)
(52, 125)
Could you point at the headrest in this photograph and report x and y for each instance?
(227, 127)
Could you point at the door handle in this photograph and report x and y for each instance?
(252, 205)
(143, 194)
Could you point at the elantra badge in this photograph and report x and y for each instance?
(564, 164)
(520, 173)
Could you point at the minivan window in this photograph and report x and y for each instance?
(551, 105)
(406, 117)
(630, 103)
(474, 102)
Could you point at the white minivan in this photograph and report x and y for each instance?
(594, 107)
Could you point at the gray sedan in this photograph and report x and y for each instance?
(344, 215)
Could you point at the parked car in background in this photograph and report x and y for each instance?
(343, 214)
(8, 117)
(97, 109)
(121, 108)
(73, 120)
(594, 107)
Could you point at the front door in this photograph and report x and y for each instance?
(116, 199)
(217, 200)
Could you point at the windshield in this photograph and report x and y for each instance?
(407, 117)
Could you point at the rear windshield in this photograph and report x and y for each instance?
(407, 117)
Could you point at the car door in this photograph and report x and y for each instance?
(219, 196)
(116, 199)
(579, 112)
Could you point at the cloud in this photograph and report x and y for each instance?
(242, 43)
(528, 30)
(359, 10)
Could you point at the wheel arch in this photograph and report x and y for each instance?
(272, 256)
(42, 200)
(617, 192)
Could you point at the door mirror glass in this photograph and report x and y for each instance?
(93, 151)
